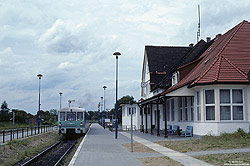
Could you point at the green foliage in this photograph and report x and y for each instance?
(4, 113)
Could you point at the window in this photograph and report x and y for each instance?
(71, 116)
(225, 106)
(185, 109)
(180, 108)
(79, 115)
(172, 109)
(168, 109)
(198, 108)
(231, 104)
(62, 116)
(192, 108)
(129, 111)
(209, 105)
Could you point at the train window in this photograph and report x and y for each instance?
(62, 116)
(71, 116)
(79, 116)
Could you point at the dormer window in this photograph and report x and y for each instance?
(175, 78)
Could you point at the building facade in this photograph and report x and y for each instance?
(206, 87)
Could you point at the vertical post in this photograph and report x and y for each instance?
(116, 93)
(35, 130)
(22, 132)
(3, 136)
(158, 119)
(151, 117)
(10, 134)
(13, 118)
(146, 109)
(166, 120)
(131, 111)
(17, 133)
(60, 100)
(27, 131)
(142, 127)
(39, 97)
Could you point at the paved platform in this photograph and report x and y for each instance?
(100, 148)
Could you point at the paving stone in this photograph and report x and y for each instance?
(100, 148)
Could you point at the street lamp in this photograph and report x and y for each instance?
(60, 99)
(116, 54)
(131, 113)
(104, 87)
(39, 104)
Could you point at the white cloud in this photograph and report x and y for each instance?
(71, 44)
(65, 65)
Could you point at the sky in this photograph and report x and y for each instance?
(71, 42)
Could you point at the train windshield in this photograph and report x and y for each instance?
(71, 116)
(79, 115)
(62, 116)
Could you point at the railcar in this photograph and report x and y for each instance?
(72, 120)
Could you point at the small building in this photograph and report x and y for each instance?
(127, 110)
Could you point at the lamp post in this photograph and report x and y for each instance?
(131, 113)
(102, 116)
(39, 97)
(104, 87)
(60, 99)
(13, 118)
(116, 54)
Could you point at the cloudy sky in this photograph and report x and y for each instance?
(71, 43)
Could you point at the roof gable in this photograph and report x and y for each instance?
(227, 60)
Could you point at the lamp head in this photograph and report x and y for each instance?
(39, 76)
(116, 54)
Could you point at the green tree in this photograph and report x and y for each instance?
(124, 100)
(4, 114)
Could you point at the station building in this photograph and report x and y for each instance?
(204, 85)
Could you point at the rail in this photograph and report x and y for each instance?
(53, 155)
(11, 134)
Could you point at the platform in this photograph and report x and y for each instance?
(100, 148)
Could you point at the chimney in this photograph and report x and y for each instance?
(191, 44)
(208, 39)
(218, 35)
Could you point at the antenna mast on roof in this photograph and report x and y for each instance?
(199, 25)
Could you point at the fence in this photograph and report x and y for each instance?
(9, 135)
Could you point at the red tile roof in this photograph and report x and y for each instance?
(227, 60)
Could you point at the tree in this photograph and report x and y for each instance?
(4, 105)
(124, 100)
(4, 114)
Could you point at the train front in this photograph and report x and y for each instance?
(71, 121)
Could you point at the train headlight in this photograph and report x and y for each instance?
(81, 124)
(60, 124)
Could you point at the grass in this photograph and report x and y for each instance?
(227, 159)
(239, 139)
(66, 160)
(137, 147)
(159, 161)
(9, 125)
(17, 150)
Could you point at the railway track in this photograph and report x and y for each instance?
(52, 155)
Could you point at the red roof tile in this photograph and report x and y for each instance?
(227, 60)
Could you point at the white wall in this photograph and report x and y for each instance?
(126, 119)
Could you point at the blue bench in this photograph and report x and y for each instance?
(188, 132)
(174, 130)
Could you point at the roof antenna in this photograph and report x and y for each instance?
(199, 25)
